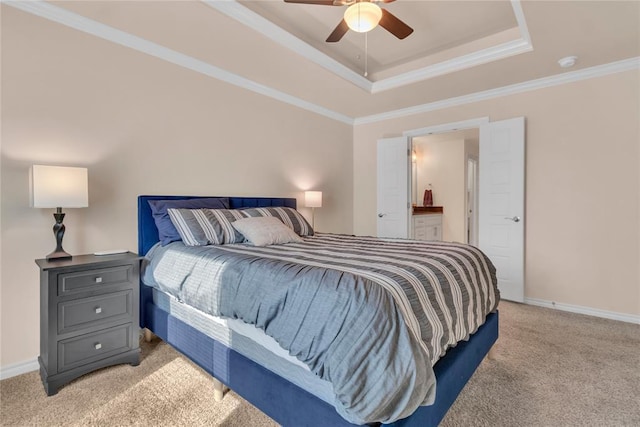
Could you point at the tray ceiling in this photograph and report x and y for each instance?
(438, 27)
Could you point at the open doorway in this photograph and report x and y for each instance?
(445, 165)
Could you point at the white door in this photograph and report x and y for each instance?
(393, 187)
(501, 203)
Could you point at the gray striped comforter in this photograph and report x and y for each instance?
(369, 315)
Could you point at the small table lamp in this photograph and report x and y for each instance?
(313, 199)
(58, 187)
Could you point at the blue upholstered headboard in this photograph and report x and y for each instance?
(148, 233)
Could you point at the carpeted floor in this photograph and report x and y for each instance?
(552, 369)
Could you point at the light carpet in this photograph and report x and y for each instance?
(552, 368)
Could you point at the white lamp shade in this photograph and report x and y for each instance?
(313, 199)
(363, 16)
(59, 187)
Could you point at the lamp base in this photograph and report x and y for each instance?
(58, 255)
(58, 231)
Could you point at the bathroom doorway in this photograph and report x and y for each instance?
(446, 164)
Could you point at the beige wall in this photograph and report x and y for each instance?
(582, 186)
(141, 126)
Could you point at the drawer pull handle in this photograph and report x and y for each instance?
(98, 310)
(98, 279)
(98, 346)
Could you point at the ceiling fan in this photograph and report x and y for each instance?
(362, 16)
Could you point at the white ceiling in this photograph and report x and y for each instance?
(459, 50)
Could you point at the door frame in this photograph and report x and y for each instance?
(472, 226)
(437, 129)
(447, 127)
(461, 125)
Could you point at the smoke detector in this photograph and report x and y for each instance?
(567, 61)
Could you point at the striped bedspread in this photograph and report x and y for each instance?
(369, 315)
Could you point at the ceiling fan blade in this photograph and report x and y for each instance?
(394, 25)
(339, 31)
(320, 2)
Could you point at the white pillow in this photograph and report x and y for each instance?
(266, 230)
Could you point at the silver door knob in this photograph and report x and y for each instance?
(381, 215)
(514, 218)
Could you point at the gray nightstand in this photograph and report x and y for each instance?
(88, 315)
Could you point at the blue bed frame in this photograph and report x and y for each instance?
(286, 403)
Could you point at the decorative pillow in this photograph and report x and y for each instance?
(289, 216)
(200, 227)
(166, 230)
(264, 231)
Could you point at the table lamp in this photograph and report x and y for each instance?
(313, 199)
(58, 187)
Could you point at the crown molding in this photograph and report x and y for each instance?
(89, 26)
(447, 127)
(522, 23)
(555, 80)
(483, 56)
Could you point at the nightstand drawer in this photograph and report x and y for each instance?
(92, 347)
(89, 280)
(89, 312)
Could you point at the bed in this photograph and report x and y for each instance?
(268, 382)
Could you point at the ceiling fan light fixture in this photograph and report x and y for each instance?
(362, 16)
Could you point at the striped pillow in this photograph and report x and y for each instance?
(289, 216)
(200, 227)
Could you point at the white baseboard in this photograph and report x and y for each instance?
(623, 317)
(18, 368)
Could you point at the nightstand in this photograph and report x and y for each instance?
(88, 315)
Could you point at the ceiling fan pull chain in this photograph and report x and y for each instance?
(366, 54)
